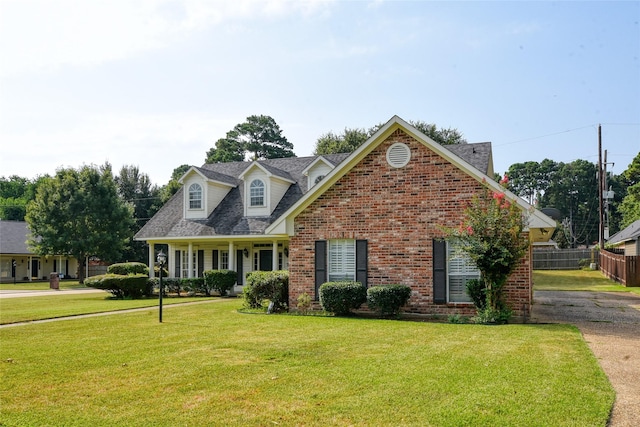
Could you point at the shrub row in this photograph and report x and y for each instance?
(126, 268)
(267, 285)
(121, 286)
(341, 298)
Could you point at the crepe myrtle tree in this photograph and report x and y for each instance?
(491, 235)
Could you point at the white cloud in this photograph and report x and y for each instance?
(41, 35)
(156, 143)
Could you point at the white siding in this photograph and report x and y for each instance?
(256, 173)
(215, 194)
(278, 189)
(318, 170)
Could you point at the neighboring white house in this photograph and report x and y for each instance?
(627, 239)
(19, 263)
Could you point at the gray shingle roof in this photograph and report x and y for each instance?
(477, 155)
(228, 219)
(632, 232)
(13, 237)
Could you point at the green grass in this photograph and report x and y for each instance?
(210, 365)
(23, 309)
(576, 280)
(40, 285)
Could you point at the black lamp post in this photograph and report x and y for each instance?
(162, 258)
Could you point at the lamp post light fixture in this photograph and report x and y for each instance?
(162, 258)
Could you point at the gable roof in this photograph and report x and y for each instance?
(632, 232)
(13, 237)
(227, 219)
(537, 220)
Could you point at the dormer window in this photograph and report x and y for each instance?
(195, 196)
(256, 192)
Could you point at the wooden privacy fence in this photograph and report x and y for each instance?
(621, 268)
(563, 259)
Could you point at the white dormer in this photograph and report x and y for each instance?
(201, 194)
(263, 189)
(316, 171)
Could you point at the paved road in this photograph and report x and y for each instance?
(610, 323)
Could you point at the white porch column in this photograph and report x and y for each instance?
(274, 261)
(232, 256)
(171, 263)
(190, 260)
(151, 259)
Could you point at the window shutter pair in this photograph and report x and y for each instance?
(321, 262)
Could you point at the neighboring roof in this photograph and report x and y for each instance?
(228, 217)
(632, 232)
(13, 237)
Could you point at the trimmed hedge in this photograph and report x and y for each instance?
(126, 268)
(342, 297)
(221, 281)
(387, 299)
(131, 286)
(267, 285)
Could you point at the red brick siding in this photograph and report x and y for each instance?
(399, 212)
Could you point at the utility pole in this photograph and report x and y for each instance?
(600, 190)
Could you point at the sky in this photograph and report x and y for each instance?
(154, 83)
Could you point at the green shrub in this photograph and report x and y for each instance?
(125, 268)
(193, 285)
(304, 303)
(477, 291)
(130, 286)
(170, 284)
(221, 281)
(388, 299)
(490, 315)
(267, 285)
(342, 297)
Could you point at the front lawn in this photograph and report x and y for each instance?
(40, 285)
(24, 309)
(576, 280)
(210, 365)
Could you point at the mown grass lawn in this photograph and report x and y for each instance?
(14, 310)
(577, 280)
(209, 364)
(40, 285)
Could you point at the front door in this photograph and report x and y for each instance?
(266, 260)
(34, 268)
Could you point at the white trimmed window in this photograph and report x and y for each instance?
(342, 260)
(224, 260)
(185, 264)
(461, 269)
(195, 196)
(256, 193)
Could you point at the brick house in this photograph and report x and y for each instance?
(376, 215)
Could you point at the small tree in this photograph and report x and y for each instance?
(491, 234)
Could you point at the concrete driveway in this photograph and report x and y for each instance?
(610, 324)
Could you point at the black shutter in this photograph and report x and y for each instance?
(200, 263)
(239, 267)
(177, 266)
(439, 271)
(321, 264)
(361, 262)
(214, 257)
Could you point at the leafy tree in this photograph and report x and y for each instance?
(630, 206)
(259, 137)
(172, 187)
(573, 189)
(179, 171)
(347, 142)
(136, 188)
(15, 193)
(79, 213)
(351, 139)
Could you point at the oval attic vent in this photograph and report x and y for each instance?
(398, 155)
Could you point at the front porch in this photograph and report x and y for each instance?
(190, 258)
